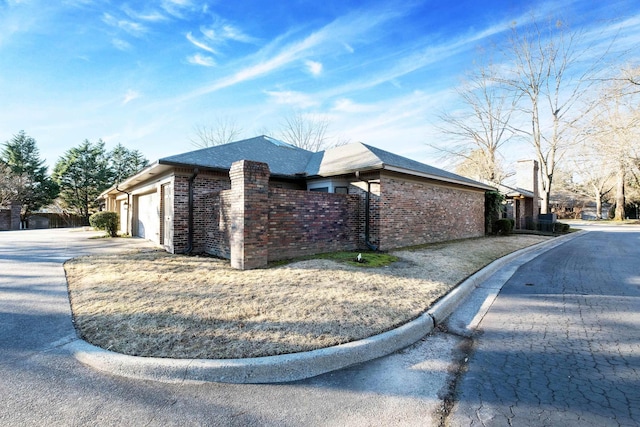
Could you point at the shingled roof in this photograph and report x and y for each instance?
(361, 157)
(286, 160)
(283, 159)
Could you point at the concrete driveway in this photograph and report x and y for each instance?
(41, 384)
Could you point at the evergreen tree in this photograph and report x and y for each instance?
(82, 174)
(32, 186)
(124, 163)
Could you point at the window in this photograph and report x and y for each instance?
(320, 189)
(341, 190)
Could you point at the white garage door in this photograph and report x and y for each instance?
(148, 225)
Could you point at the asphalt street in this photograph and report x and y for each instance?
(560, 345)
(563, 333)
(41, 384)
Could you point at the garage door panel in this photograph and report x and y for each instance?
(148, 224)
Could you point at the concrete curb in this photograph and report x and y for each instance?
(445, 305)
(297, 366)
(270, 369)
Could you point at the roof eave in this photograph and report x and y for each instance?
(478, 185)
(371, 168)
(144, 175)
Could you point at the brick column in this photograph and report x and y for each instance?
(249, 214)
(16, 208)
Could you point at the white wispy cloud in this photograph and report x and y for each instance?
(121, 44)
(203, 60)
(146, 15)
(130, 96)
(399, 120)
(177, 8)
(200, 44)
(422, 53)
(221, 31)
(346, 105)
(274, 56)
(296, 99)
(315, 68)
(217, 35)
(134, 28)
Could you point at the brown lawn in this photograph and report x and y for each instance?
(151, 303)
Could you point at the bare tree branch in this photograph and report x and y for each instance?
(223, 131)
(481, 128)
(306, 131)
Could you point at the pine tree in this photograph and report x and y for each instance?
(32, 186)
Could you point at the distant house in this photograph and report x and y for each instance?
(522, 200)
(260, 200)
(10, 217)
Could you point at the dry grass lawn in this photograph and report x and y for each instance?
(151, 303)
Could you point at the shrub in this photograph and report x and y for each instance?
(107, 221)
(492, 210)
(503, 226)
(561, 227)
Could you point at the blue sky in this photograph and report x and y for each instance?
(145, 73)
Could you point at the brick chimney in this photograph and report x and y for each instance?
(527, 178)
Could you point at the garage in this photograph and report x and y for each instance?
(148, 217)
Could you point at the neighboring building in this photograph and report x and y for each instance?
(589, 211)
(522, 201)
(260, 199)
(10, 218)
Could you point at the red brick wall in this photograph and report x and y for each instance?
(249, 214)
(359, 188)
(217, 224)
(414, 212)
(204, 185)
(285, 223)
(305, 223)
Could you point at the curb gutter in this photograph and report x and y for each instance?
(296, 366)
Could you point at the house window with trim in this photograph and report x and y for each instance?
(341, 190)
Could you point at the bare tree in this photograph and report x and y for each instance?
(594, 173)
(222, 131)
(632, 75)
(481, 127)
(11, 185)
(546, 68)
(616, 128)
(306, 131)
(479, 166)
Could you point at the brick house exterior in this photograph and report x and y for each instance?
(261, 200)
(522, 201)
(10, 218)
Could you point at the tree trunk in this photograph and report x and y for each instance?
(620, 199)
(598, 205)
(544, 187)
(544, 202)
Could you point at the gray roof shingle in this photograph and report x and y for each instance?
(283, 159)
(359, 157)
(290, 161)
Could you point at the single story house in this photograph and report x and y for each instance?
(261, 199)
(522, 200)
